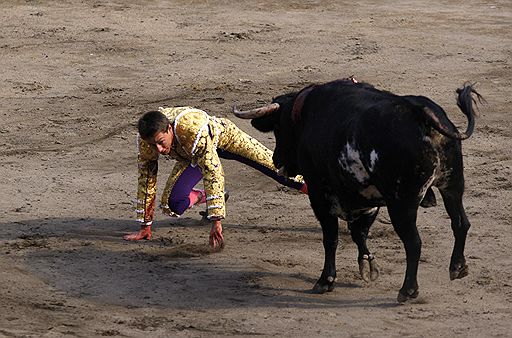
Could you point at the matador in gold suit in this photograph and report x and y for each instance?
(197, 142)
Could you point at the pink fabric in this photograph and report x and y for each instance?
(196, 197)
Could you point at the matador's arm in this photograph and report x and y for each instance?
(147, 160)
(196, 134)
(213, 180)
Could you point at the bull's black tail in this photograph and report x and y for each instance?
(465, 102)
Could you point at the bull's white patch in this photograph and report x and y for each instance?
(350, 160)
(373, 159)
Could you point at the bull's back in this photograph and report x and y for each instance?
(363, 142)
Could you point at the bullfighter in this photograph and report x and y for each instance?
(196, 141)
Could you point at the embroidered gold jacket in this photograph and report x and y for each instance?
(196, 139)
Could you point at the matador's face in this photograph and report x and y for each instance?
(162, 140)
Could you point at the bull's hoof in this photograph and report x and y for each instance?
(324, 285)
(368, 268)
(459, 271)
(405, 295)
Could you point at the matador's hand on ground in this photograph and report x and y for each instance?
(143, 233)
(216, 238)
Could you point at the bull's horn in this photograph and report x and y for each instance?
(255, 113)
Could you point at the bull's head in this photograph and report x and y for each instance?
(276, 117)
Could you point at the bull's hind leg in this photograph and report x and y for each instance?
(359, 228)
(452, 199)
(403, 218)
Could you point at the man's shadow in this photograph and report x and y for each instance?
(87, 258)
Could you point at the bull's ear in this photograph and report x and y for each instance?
(264, 124)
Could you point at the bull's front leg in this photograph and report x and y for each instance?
(329, 225)
(330, 240)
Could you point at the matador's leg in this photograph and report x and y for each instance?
(241, 147)
(182, 195)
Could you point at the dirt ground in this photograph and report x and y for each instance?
(75, 77)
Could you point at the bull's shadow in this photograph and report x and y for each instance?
(87, 258)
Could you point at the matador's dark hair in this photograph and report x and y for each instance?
(151, 123)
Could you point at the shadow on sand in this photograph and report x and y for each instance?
(87, 258)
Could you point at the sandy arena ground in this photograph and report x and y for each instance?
(75, 77)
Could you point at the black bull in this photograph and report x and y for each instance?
(360, 148)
